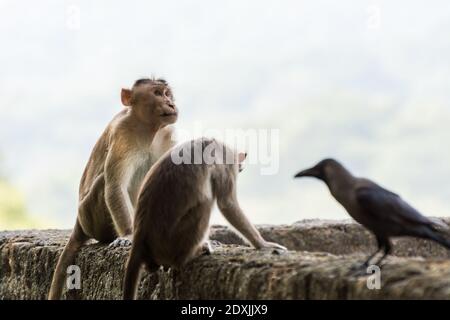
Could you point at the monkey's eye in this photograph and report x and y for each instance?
(158, 93)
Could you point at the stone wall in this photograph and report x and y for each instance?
(317, 267)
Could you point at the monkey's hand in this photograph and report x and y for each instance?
(206, 249)
(277, 248)
(121, 242)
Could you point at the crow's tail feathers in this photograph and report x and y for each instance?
(438, 223)
(438, 237)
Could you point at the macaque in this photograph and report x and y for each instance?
(174, 207)
(129, 146)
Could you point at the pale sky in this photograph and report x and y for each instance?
(366, 82)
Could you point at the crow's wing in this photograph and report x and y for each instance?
(387, 206)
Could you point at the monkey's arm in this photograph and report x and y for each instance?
(117, 198)
(230, 208)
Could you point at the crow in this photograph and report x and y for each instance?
(381, 211)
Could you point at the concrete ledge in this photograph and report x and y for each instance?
(28, 258)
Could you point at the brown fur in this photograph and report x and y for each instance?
(174, 207)
(126, 150)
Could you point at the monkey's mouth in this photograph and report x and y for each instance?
(171, 114)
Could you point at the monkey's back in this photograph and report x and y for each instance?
(173, 209)
(97, 159)
(93, 213)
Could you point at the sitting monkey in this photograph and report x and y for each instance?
(174, 207)
(128, 147)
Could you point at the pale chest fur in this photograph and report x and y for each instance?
(140, 163)
(145, 158)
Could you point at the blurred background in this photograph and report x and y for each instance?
(366, 82)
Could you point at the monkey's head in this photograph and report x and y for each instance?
(233, 159)
(216, 152)
(241, 156)
(151, 101)
(237, 164)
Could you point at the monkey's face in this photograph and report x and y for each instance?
(154, 102)
(240, 160)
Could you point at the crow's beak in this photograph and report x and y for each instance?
(311, 172)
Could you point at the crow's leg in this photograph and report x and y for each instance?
(387, 246)
(361, 269)
(381, 246)
(367, 262)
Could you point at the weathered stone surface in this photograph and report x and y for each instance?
(333, 236)
(28, 258)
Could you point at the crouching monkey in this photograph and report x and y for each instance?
(174, 207)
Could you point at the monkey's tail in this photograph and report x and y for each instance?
(132, 274)
(76, 240)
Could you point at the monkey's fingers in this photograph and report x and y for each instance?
(120, 242)
(206, 249)
(277, 248)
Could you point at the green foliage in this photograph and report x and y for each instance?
(13, 212)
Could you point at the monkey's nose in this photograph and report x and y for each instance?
(170, 104)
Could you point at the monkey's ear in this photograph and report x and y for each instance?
(242, 156)
(126, 97)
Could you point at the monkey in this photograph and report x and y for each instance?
(174, 207)
(131, 143)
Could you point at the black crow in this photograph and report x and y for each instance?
(381, 211)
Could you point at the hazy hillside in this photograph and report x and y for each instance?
(362, 81)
